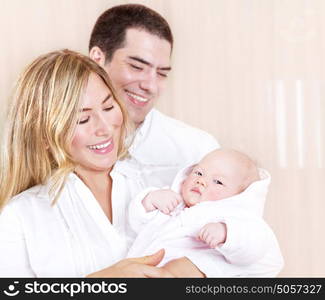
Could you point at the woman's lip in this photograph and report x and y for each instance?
(101, 143)
(103, 150)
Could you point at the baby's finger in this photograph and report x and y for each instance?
(208, 239)
(174, 202)
(170, 207)
(179, 198)
(214, 244)
(200, 234)
(165, 210)
(203, 234)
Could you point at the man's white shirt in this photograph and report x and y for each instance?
(163, 145)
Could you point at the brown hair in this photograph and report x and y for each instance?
(110, 29)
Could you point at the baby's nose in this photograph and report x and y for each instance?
(201, 181)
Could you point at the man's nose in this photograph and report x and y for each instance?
(149, 83)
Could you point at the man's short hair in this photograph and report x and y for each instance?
(110, 29)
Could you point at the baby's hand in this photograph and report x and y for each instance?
(163, 200)
(213, 234)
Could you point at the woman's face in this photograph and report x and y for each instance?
(96, 140)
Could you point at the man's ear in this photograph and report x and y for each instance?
(97, 55)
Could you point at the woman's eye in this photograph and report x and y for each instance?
(109, 108)
(198, 173)
(83, 121)
(216, 181)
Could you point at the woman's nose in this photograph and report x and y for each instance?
(102, 126)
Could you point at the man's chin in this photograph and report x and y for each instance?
(137, 119)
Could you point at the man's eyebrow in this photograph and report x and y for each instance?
(106, 99)
(141, 60)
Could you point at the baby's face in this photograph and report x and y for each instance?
(215, 177)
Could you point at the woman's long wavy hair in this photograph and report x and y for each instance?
(41, 123)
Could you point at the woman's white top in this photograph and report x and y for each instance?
(71, 238)
(74, 237)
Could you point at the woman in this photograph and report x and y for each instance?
(66, 129)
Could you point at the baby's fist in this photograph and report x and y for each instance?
(213, 234)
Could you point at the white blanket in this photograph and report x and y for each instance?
(251, 248)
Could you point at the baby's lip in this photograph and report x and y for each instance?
(196, 190)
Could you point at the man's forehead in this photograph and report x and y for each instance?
(147, 47)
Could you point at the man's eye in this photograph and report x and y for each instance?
(83, 121)
(198, 173)
(216, 181)
(136, 67)
(162, 74)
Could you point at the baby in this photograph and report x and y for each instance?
(219, 175)
(211, 215)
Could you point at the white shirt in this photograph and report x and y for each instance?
(163, 146)
(71, 238)
(250, 250)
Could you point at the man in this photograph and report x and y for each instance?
(134, 44)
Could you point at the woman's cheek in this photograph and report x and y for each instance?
(118, 118)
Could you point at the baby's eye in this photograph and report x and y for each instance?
(198, 173)
(216, 181)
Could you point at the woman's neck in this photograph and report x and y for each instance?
(100, 184)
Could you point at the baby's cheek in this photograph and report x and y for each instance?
(183, 189)
(214, 194)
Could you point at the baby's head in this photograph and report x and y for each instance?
(220, 174)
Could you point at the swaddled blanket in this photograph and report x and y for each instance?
(251, 248)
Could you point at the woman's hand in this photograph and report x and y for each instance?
(183, 267)
(135, 267)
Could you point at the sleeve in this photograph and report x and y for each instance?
(250, 250)
(247, 239)
(14, 261)
(138, 217)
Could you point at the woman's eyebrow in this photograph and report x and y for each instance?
(106, 99)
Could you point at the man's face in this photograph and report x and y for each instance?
(139, 71)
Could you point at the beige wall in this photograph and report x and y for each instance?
(251, 72)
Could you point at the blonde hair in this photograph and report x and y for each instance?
(41, 122)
